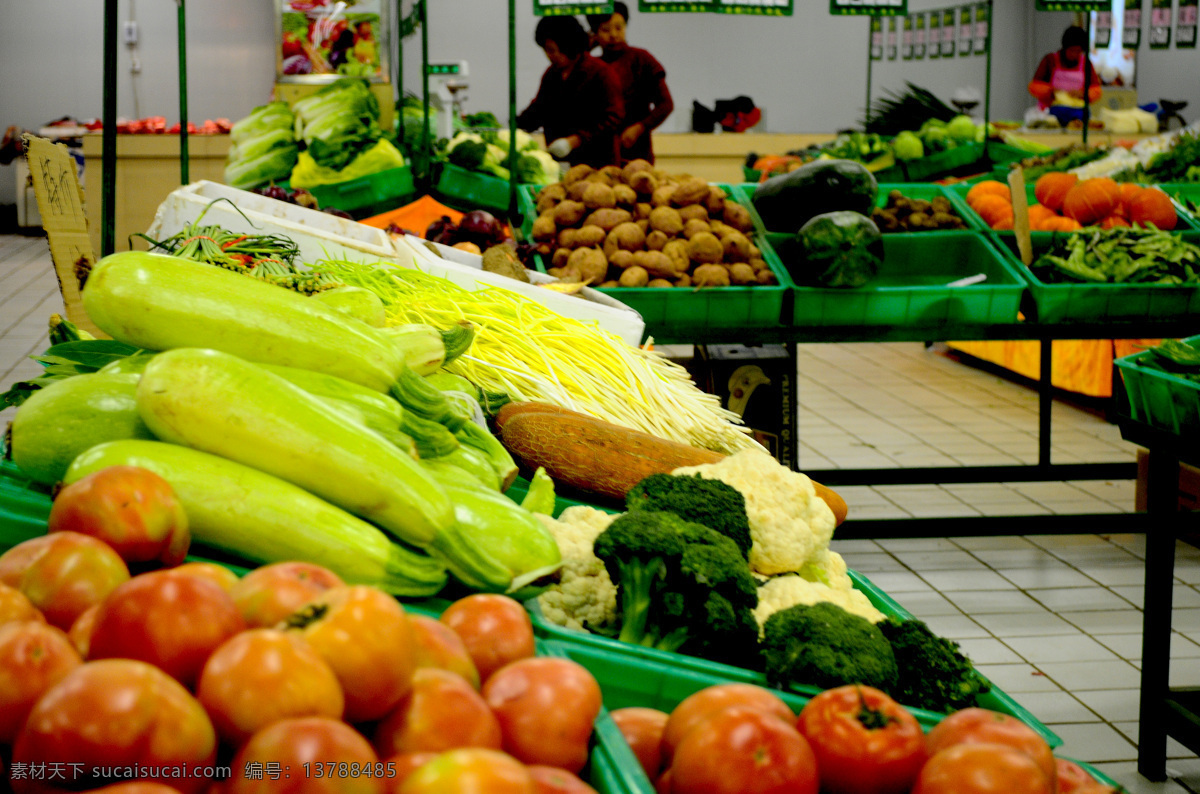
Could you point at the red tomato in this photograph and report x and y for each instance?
(398, 768)
(1070, 776)
(496, 630)
(130, 508)
(743, 750)
(698, 706)
(219, 575)
(267, 595)
(982, 768)
(262, 675)
(15, 606)
(63, 574)
(442, 712)
(981, 725)
(643, 730)
(546, 707)
(552, 780)
(172, 621)
(865, 742)
(33, 658)
(663, 784)
(117, 713)
(364, 635)
(136, 788)
(439, 646)
(80, 633)
(471, 770)
(321, 756)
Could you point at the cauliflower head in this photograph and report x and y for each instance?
(585, 597)
(781, 592)
(789, 524)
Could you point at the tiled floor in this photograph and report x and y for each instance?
(1053, 620)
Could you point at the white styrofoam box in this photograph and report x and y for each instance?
(465, 270)
(318, 234)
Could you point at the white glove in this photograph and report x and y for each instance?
(559, 148)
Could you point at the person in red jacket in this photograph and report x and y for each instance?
(1064, 71)
(643, 83)
(578, 104)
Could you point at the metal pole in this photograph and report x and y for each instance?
(870, 35)
(426, 142)
(512, 107)
(108, 142)
(987, 84)
(1087, 60)
(399, 92)
(183, 92)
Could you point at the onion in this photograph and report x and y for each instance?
(441, 230)
(480, 227)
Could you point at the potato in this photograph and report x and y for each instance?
(704, 248)
(642, 210)
(714, 202)
(569, 213)
(720, 228)
(560, 257)
(587, 265)
(684, 280)
(678, 251)
(634, 277)
(576, 173)
(710, 276)
(557, 272)
(599, 196)
(656, 263)
(625, 195)
(544, 248)
(689, 191)
(599, 177)
(632, 167)
(696, 226)
(613, 172)
(661, 197)
(737, 216)
(621, 259)
(766, 278)
(607, 219)
(755, 253)
(737, 247)
(758, 263)
(656, 239)
(576, 190)
(549, 196)
(610, 284)
(643, 183)
(666, 220)
(644, 225)
(587, 237)
(741, 274)
(544, 228)
(663, 177)
(691, 211)
(660, 282)
(626, 236)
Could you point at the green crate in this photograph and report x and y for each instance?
(911, 289)
(368, 195)
(24, 506)
(927, 191)
(1160, 399)
(463, 189)
(1056, 303)
(935, 166)
(1182, 193)
(751, 174)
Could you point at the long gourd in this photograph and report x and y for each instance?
(163, 302)
(263, 519)
(218, 403)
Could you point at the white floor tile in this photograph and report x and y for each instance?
(1057, 707)
(1025, 624)
(1114, 705)
(1018, 679)
(1061, 648)
(1125, 774)
(1124, 621)
(983, 602)
(986, 650)
(1095, 742)
(1080, 599)
(1081, 676)
(966, 580)
(1056, 576)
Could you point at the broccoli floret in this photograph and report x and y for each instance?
(826, 646)
(934, 673)
(715, 504)
(482, 119)
(467, 153)
(680, 586)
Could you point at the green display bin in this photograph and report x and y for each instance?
(751, 174)
(1186, 196)
(911, 288)
(1085, 302)
(1160, 399)
(468, 190)
(935, 166)
(368, 195)
(24, 506)
(927, 191)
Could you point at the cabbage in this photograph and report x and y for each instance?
(961, 128)
(908, 146)
(308, 173)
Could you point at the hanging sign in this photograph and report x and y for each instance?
(935, 35)
(1160, 24)
(949, 33)
(877, 38)
(919, 38)
(554, 8)
(1103, 29)
(1185, 32)
(1073, 5)
(966, 30)
(762, 8)
(878, 8)
(981, 28)
(319, 43)
(1131, 39)
(410, 23)
(906, 40)
(892, 48)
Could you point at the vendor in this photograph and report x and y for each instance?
(1061, 75)
(643, 83)
(578, 104)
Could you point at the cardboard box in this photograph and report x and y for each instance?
(759, 384)
(1189, 484)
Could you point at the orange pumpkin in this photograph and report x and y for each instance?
(1091, 200)
(1060, 224)
(1153, 206)
(1050, 189)
(1129, 191)
(992, 208)
(1113, 221)
(988, 187)
(1038, 213)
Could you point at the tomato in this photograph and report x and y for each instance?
(116, 713)
(219, 575)
(981, 725)
(63, 574)
(15, 605)
(130, 508)
(33, 658)
(552, 780)
(865, 742)
(495, 629)
(663, 784)
(398, 768)
(471, 770)
(262, 675)
(172, 621)
(643, 730)
(546, 707)
(80, 633)
(1070, 776)
(136, 788)
(441, 712)
(698, 706)
(742, 750)
(438, 645)
(312, 755)
(1098, 788)
(267, 595)
(982, 768)
(365, 637)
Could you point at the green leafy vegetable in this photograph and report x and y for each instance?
(1120, 255)
(838, 249)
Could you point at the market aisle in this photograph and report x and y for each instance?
(1053, 620)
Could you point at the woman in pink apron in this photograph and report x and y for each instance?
(1064, 71)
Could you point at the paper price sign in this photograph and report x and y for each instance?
(1160, 24)
(762, 8)
(877, 38)
(966, 30)
(906, 39)
(878, 8)
(1185, 33)
(919, 38)
(949, 31)
(935, 35)
(1074, 5)
(981, 28)
(1103, 28)
(892, 38)
(1131, 38)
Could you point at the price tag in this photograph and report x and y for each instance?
(550, 8)
(1185, 33)
(1074, 5)
(906, 39)
(878, 8)
(919, 38)
(762, 8)
(1131, 38)
(981, 28)
(949, 33)
(877, 38)
(1160, 24)
(892, 39)
(966, 30)
(1103, 29)
(935, 35)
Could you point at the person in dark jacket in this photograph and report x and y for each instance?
(643, 83)
(578, 104)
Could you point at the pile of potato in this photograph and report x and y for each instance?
(638, 226)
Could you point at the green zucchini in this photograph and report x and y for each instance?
(475, 462)
(472, 435)
(162, 302)
(786, 202)
(218, 403)
(357, 302)
(263, 519)
(68, 416)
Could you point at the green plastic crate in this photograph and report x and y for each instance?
(1160, 399)
(368, 195)
(467, 190)
(911, 289)
(1056, 303)
(1185, 195)
(927, 191)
